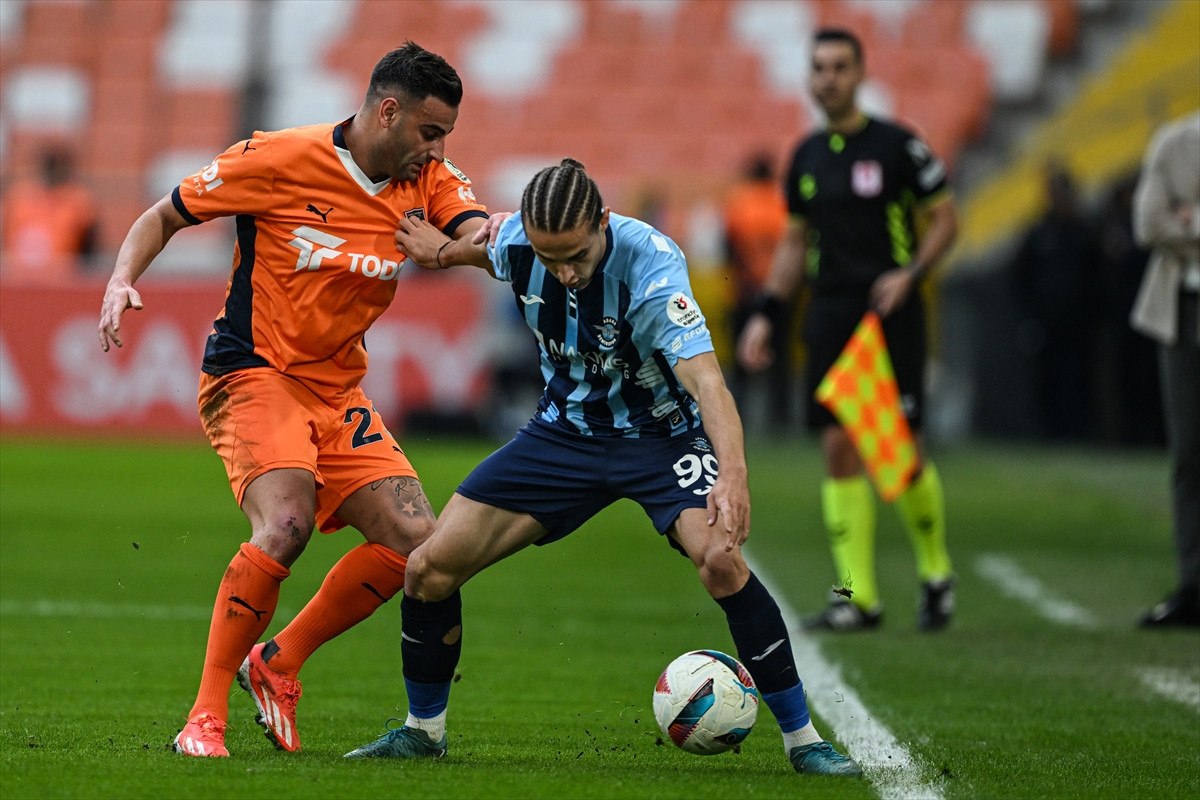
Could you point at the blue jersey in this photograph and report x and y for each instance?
(608, 349)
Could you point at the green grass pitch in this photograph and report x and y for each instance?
(110, 554)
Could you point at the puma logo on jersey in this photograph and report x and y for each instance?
(324, 215)
(530, 299)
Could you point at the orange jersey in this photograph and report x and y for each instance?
(755, 220)
(315, 262)
(45, 230)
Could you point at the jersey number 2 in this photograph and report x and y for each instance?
(361, 437)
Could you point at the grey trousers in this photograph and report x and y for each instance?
(1180, 368)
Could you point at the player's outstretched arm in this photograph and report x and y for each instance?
(145, 240)
(729, 500)
(429, 248)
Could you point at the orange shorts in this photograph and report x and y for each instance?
(260, 419)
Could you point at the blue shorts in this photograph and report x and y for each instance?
(563, 479)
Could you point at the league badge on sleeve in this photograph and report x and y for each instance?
(682, 310)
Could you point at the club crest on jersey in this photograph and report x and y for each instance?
(458, 173)
(606, 332)
(866, 178)
(682, 310)
(415, 213)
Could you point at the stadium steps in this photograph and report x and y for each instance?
(1100, 134)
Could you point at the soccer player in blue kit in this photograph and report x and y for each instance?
(630, 371)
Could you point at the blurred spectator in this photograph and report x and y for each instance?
(754, 218)
(49, 223)
(1129, 408)
(1166, 217)
(1056, 287)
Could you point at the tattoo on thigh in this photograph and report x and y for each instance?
(410, 497)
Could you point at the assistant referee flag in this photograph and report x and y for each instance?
(860, 390)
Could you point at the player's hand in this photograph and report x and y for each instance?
(420, 241)
(729, 504)
(891, 289)
(754, 345)
(490, 228)
(118, 296)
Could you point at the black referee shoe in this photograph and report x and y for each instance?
(1180, 610)
(842, 616)
(936, 606)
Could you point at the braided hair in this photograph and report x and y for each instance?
(561, 198)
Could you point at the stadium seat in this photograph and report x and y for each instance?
(1064, 26)
(1013, 36)
(936, 24)
(46, 98)
(189, 55)
(56, 33)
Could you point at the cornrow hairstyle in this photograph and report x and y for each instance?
(416, 73)
(842, 35)
(561, 198)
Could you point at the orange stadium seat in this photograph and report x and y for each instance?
(1064, 26)
(200, 119)
(58, 33)
(935, 23)
(143, 19)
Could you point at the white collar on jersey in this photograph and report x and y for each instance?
(369, 186)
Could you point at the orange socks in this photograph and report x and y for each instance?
(363, 580)
(246, 600)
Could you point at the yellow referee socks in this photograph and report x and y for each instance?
(923, 510)
(849, 509)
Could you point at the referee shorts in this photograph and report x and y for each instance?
(828, 325)
(563, 479)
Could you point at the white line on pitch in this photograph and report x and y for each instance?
(1173, 684)
(90, 610)
(887, 763)
(1012, 579)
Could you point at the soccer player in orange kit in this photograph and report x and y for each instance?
(314, 265)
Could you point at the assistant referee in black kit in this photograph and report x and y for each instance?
(856, 191)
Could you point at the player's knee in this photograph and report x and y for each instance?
(424, 581)
(402, 536)
(283, 532)
(722, 572)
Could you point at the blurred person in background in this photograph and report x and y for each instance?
(315, 264)
(754, 219)
(49, 223)
(1130, 408)
(1166, 218)
(634, 406)
(1057, 282)
(856, 191)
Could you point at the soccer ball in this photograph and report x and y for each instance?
(705, 702)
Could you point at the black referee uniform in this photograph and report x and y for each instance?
(858, 195)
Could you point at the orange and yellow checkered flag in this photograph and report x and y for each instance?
(860, 389)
